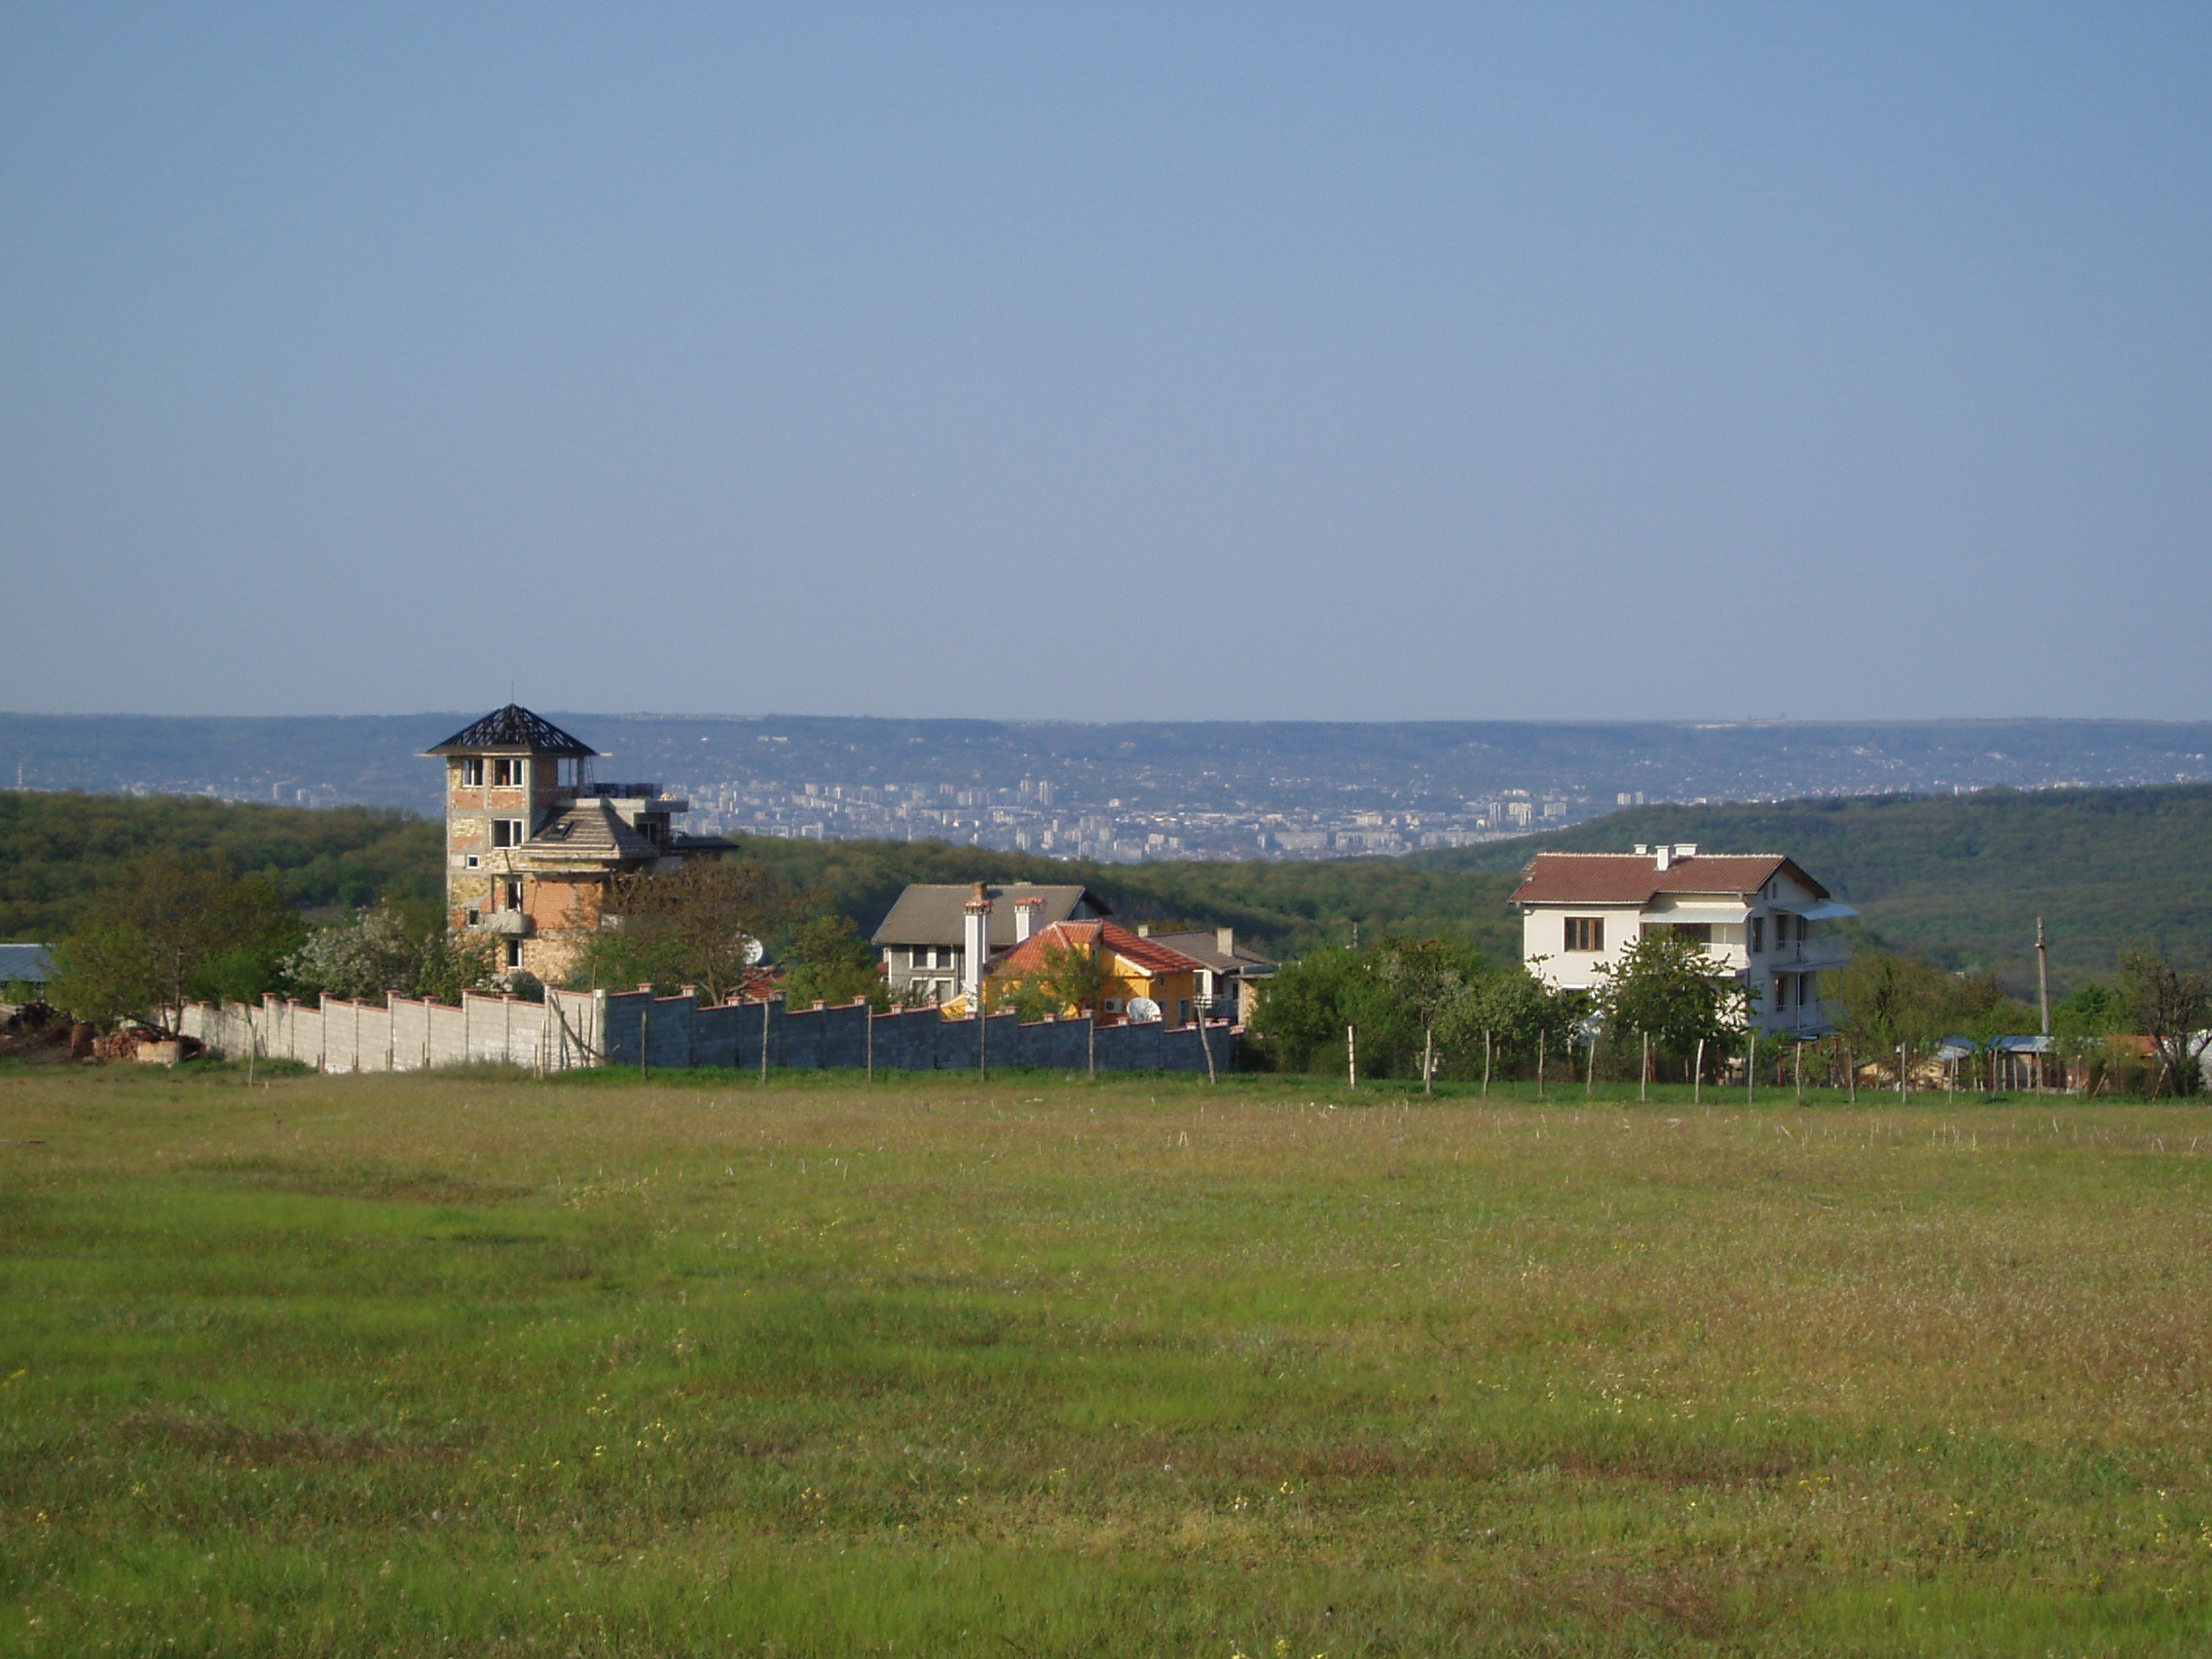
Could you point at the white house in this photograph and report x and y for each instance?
(1757, 914)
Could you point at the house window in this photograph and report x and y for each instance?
(472, 773)
(1758, 933)
(1183, 1012)
(472, 861)
(511, 890)
(514, 953)
(1782, 987)
(1585, 933)
(509, 774)
(474, 915)
(506, 832)
(1699, 933)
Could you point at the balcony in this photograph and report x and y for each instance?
(1809, 956)
(507, 923)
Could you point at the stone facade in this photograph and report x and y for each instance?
(532, 843)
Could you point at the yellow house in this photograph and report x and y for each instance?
(1134, 968)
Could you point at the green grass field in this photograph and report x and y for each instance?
(483, 1365)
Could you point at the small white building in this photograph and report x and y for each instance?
(1757, 915)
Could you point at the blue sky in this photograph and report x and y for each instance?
(1359, 362)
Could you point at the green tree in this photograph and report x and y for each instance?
(1896, 1007)
(2096, 1010)
(1306, 1010)
(695, 925)
(827, 961)
(171, 927)
(1072, 980)
(1514, 1017)
(1668, 986)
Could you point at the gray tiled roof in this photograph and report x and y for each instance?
(930, 913)
(511, 730)
(26, 962)
(590, 829)
(1206, 948)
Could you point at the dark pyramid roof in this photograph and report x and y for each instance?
(511, 730)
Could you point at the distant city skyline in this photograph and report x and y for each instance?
(1125, 792)
(1600, 362)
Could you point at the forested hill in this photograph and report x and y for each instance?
(57, 848)
(1281, 908)
(1961, 878)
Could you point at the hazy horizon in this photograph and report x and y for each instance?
(1564, 364)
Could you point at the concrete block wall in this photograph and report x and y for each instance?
(405, 1035)
(677, 1031)
(588, 1028)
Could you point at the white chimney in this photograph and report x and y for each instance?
(1684, 850)
(1224, 941)
(976, 936)
(1026, 917)
(1641, 850)
(1662, 855)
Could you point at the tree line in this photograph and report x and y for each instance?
(1432, 1007)
(170, 927)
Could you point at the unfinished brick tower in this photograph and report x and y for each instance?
(532, 844)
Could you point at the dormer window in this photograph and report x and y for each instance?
(472, 772)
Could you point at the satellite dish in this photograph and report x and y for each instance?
(1143, 1010)
(754, 950)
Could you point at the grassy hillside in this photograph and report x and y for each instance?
(446, 1365)
(1961, 878)
(57, 848)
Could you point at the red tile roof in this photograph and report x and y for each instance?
(1150, 955)
(1636, 879)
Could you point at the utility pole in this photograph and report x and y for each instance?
(2043, 977)
(1352, 1056)
(1428, 1060)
